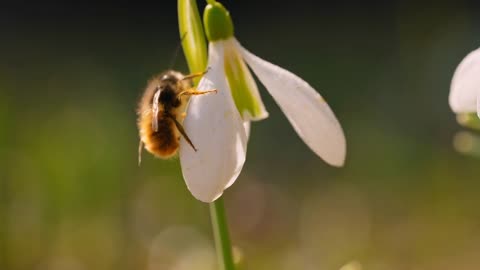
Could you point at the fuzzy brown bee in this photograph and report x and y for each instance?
(161, 111)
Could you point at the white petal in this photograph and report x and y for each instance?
(307, 111)
(217, 131)
(465, 85)
(478, 106)
(246, 125)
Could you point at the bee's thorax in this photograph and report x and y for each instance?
(168, 97)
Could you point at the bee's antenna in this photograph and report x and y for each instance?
(175, 54)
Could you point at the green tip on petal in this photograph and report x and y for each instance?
(244, 89)
(469, 120)
(217, 21)
(193, 38)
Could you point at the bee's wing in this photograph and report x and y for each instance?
(307, 111)
(155, 109)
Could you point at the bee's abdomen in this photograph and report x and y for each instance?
(163, 143)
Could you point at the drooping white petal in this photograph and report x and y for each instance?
(307, 111)
(217, 131)
(465, 86)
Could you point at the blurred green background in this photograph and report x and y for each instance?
(73, 197)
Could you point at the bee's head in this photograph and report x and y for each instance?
(169, 77)
(166, 89)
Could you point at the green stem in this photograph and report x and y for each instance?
(211, 2)
(220, 233)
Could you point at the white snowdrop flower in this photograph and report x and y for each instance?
(219, 124)
(465, 88)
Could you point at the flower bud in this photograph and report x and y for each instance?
(217, 21)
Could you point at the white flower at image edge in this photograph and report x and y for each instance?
(220, 134)
(465, 87)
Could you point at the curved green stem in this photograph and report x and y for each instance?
(211, 2)
(220, 233)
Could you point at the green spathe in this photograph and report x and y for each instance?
(193, 38)
(217, 21)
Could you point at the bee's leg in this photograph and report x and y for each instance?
(140, 148)
(182, 131)
(195, 92)
(195, 75)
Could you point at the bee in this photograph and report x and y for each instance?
(161, 111)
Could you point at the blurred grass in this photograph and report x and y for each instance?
(73, 197)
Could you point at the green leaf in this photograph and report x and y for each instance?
(193, 37)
